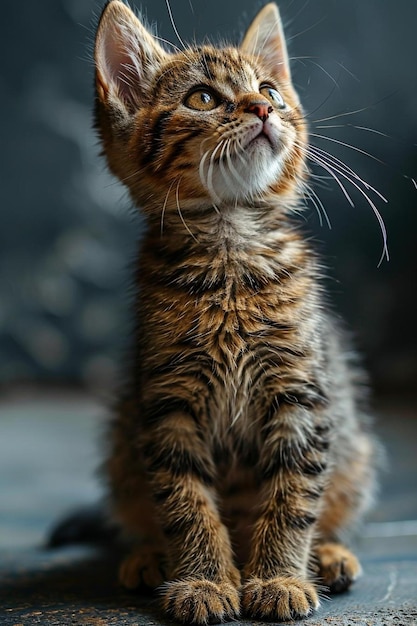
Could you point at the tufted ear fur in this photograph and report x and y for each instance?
(265, 39)
(126, 57)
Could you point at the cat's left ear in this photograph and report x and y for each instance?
(126, 56)
(265, 39)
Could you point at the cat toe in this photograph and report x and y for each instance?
(281, 598)
(201, 601)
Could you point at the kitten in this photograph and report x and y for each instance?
(239, 452)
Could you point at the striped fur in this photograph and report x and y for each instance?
(239, 451)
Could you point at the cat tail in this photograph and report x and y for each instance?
(89, 524)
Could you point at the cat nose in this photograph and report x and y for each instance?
(260, 109)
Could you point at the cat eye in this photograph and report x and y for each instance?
(273, 95)
(201, 100)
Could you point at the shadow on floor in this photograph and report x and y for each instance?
(74, 585)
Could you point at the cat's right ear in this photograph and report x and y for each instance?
(126, 57)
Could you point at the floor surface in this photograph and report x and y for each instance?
(49, 450)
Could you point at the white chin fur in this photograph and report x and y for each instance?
(246, 177)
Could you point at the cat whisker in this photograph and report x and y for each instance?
(348, 145)
(232, 168)
(294, 21)
(165, 206)
(318, 205)
(261, 49)
(204, 141)
(324, 160)
(222, 164)
(171, 17)
(371, 130)
(169, 43)
(240, 151)
(177, 198)
(307, 193)
(316, 159)
(343, 166)
(352, 147)
(203, 179)
(320, 67)
(173, 62)
(356, 127)
(210, 173)
(361, 110)
(337, 115)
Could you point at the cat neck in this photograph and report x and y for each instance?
(216, 227)
(260, 240)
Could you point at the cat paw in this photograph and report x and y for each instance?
(143, 567)
(200, 601)
(281, 598)
(338, 568)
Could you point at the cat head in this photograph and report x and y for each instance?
(201, 126)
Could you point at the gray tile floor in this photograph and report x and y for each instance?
(49, 451)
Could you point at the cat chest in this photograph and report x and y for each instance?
(253, 353)
(240, 329)
(229, 349)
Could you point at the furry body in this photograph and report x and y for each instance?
(239, 451)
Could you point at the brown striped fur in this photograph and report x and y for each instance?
(239, 451)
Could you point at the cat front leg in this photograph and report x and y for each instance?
(292, 470)
(203, 581)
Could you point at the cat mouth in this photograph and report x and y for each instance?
(261, 136)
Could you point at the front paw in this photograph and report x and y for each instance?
(281, 598)
(200, 601)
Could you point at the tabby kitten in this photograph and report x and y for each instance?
(239, 451)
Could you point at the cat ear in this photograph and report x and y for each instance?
(265, 39)
(126, 56)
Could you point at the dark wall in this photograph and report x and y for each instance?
(66, 231)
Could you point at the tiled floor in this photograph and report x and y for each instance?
(49, 451)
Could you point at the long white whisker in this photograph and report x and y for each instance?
(307, 191)
(334, 81)
(317, 159)
(370, 130)
(344, 167)
(173, 24)
(172, 45)
(240, 152)
(221, 163)
(180, 213)
(412, 180)
(348, 145)
(332, 169)
(165, 206)
(316, 200)
(356, 127)
(306, 29)
(203, 179)
(211, 171)
(232, 168)
(201, 168)
(335, 117)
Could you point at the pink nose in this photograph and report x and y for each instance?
(260, 109)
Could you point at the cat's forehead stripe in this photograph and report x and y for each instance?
(201, 65)
(229, 68)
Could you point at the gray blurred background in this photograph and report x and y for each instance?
(67, 231)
